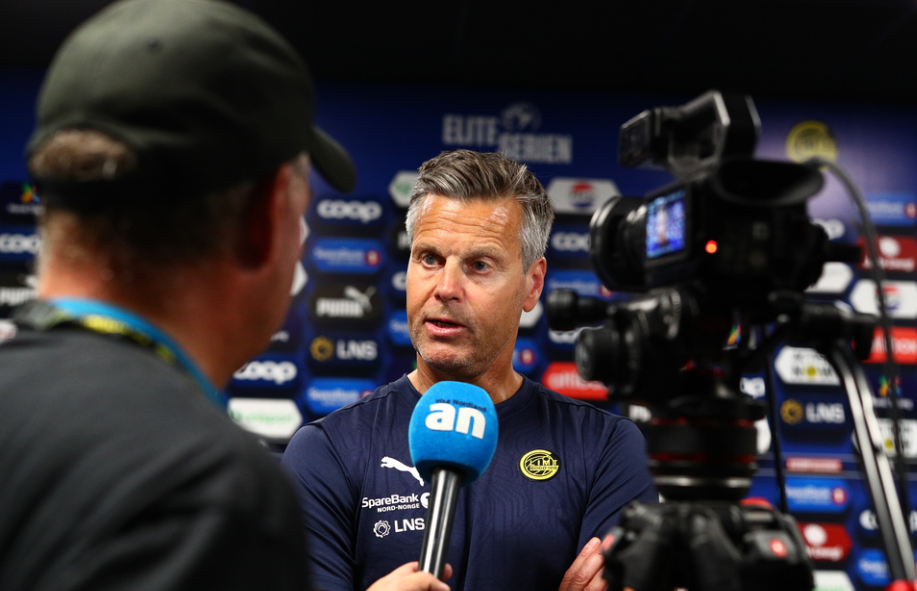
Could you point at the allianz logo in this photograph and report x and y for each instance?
(570, 241)
(354, 304)
(19, 243)
(339, 209)
(279, 372)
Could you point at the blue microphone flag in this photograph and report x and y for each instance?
(454, 425)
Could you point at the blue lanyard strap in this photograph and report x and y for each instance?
(107, 319)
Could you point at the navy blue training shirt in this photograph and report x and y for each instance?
(562, 471)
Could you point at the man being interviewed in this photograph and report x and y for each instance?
(562, 471)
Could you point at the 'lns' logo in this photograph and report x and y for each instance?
(443, 417)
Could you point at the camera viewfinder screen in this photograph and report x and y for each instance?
(666, 221)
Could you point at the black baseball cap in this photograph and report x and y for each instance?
(205, 92)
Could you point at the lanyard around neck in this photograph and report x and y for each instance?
(106, 319)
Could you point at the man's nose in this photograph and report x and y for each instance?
(450, 281)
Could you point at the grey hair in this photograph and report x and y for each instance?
(467, 175)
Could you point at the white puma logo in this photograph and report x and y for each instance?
(362, 298)
(388, 462)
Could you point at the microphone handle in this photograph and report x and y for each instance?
(444, 487)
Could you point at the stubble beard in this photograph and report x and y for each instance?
(454, 365)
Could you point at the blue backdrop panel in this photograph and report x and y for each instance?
(347, 330)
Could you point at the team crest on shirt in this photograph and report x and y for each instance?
(540, 464)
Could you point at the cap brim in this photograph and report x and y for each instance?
(333, 162)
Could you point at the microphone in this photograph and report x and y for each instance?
(452, 436)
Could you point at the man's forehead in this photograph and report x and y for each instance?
(469, 227)
(439, 206)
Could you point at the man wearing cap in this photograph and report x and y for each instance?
(172, 154)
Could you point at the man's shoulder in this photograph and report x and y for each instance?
(140, 419)
(582, 414)
(111, 392)
(562, 400)
(349, 433)
(84, 354)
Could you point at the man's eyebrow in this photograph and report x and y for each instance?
(484, 251)
(423, 247)
(473, 253)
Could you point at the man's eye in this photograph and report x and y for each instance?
(480, 266)
(428, 259)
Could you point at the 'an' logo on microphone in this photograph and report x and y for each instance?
(443, 417)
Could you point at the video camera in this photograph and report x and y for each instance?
(727, 246)
(719, 262)
(736, 226)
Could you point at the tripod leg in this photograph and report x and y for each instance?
(876, 467)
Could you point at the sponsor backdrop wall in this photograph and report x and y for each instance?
(347, 330)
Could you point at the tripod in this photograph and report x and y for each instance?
(702, 451)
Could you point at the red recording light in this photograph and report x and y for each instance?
(711, 246)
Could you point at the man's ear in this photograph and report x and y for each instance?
(259, 224)
(534, 284)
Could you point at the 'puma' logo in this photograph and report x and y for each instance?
(388, 462)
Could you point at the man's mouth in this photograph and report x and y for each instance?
(444, 324)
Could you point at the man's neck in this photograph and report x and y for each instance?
(501, 386)
(174, 303)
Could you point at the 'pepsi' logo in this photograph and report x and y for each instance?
(900, 298)
(579, 196)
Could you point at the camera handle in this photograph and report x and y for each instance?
(874, 464)
(721, 546)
